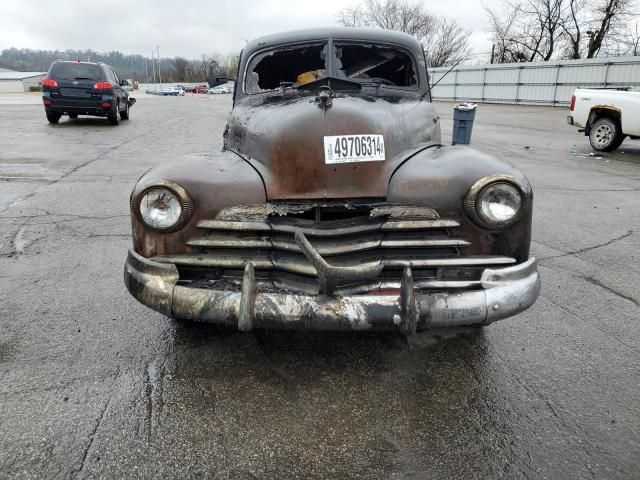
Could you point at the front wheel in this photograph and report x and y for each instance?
(605, 135)
(53, 117)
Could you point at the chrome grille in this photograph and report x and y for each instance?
(393, 238)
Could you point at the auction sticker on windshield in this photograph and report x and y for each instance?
(353, 148)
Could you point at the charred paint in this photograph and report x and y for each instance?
(397, 249)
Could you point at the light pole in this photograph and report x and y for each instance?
(153, 68)
(159, 73)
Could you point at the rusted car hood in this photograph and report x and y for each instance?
(283, 140)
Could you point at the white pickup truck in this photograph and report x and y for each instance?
(607, 116)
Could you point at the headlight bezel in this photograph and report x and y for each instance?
(471, 203)
(186, 203)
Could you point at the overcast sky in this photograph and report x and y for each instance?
(182, 27)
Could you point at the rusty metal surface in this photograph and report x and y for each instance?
(282, 136)
(213, 182)
(284, 142)
(342, 249)
(504, 292)
(435, 179)
(270, 213)
(329, 276)
(441, 178)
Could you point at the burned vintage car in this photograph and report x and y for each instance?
(333, 204)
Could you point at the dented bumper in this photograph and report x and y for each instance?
(505, 292)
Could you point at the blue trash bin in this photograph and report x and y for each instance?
(463, 117)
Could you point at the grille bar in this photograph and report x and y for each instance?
(382, 238)
(418, 224)
(331, 229)
(300, 265)
(327, 248)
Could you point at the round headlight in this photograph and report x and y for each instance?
(499, 203)
(160, 208)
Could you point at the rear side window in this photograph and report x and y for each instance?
(393, 66)
(76, 71)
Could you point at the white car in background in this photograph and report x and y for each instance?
(173, 91)
(220, 90)
(607, 116)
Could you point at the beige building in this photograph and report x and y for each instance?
(17, 82)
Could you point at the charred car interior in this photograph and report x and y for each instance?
(301, 64)
(390, 65)
(285, 66)
(333, 204)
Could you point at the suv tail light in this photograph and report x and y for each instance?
(573, 103)
(49, 82)
(103, 86)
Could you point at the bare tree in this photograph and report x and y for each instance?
(527, 31)
(609, 16)
(449, 44)
(182, 68)
(210, 66)
(230, 64)
(445, 42)
(573, 25)
(632, 40)
(353, 17)
(551, 12)
(505, 50)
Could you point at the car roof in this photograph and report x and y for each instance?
(336, 33)
(76, 61)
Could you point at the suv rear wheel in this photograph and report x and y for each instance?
(113, 115)
(53, 117)
(605, 135)
(124, 114)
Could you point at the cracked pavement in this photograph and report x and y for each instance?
(94, 385)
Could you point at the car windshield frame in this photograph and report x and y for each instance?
(330, 63)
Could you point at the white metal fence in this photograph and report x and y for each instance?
(544, 83)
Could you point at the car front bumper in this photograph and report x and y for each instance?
(505, 292)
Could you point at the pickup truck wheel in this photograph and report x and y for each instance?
(605, 135)
(618, 142)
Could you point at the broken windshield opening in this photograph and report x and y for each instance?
(291, 67)
(375, 63)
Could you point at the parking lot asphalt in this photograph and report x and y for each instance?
(95, 385)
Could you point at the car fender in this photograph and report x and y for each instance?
(212, 182)
(604, 110)
(441, 177)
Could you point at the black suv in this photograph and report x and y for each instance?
(84, 88)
